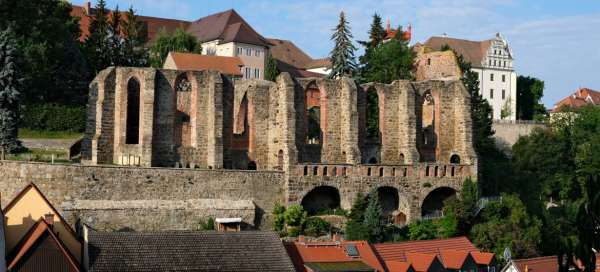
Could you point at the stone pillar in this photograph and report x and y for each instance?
(147, 116)
(407, 121)
(349, 121)
(102, 140)
(214, 125)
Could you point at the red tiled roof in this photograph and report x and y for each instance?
(579, 98)
(421, 261)
(287, 52)
(315, 252)
(397, 266)
(482, 258)
(398, 251)
(390, 33)
(472, 51)
(454, 259)
(541, 264)
(47, 257)
(190, 61)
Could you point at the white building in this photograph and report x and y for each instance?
(493, 61)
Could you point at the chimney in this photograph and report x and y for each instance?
(301, 239)
(49, 218)
(87, 7)
(336, 237)
(387, 26)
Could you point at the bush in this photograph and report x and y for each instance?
(51, 117)
(207, 225)
(278, 219)
(295, 215)
(294, 231)
(316, 226)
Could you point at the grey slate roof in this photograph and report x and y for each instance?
(187, 251)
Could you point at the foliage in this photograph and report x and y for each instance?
(278, 219)
(316, 226)
(179, 41)
(459, 210)
(295, 216)
(507, 224)
(588, 224)
(52, 117)
(355, 229)
(98, 43)
(376, 34)
(10, 92)
(422, 230)
(44, 134)
(134, 40)
(209, 224)
(372, 115)
(374, 219)
(47, 38)
(271, 70)
(388, 61)
(314, 127)
(506, 110)
(342, 55)
(529, 93)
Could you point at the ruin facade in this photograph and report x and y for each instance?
(326, 140)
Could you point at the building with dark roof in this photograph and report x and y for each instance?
(492, 60)
(230, 66)
(186, 251)
(290, 58)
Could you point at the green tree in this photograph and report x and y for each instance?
(507, 224)
(98, 43)
(342, 55)
(209, 224)
(422, 230)
(459, 210)
(389, 61)
(376, 33)
(529, 93)
(179, 41)
(295, 216)
(374, 220)
(355, 229)
(135, 38)
(271, 70)
(115, 41)
(10, 92)
(278, 219)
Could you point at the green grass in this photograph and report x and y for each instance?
(41, 134)
(40, 155)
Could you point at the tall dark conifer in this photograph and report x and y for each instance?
(97, 44)
(10, 92)
(342, 55)
(135, 37)
(115, 39)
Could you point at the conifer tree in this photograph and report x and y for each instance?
(97, 44)
(115, 40)
(134, 40)
(342, 55)
(271, 71)
(10, 92)
(376, 33)
(374, 219)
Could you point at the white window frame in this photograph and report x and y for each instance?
(257, 52)
(256, 73)
(248, 72)
(248, 51)
(240, 50)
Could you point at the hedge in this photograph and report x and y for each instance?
(52, 117)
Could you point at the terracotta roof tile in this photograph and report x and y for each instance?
(398, 251)
(313, 252)
(541, 264)
(454, 259)
(482, 258)
(190, 61)
(286, 51)
(227, 26)
(579, 98)
(421, 261)
(397, 266)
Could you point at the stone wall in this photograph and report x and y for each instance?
(68, 183)
(508, 132)
(436, 65)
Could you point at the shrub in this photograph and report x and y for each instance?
(294, 231)
(278, 218)
(295, 215)
(51, 117)
(209, 224)
(316, 226)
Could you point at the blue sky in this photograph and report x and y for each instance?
(556, 41)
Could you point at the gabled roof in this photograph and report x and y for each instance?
(286, 51)
(422, 261)
(540, 264)
(398, 251)
(397, 266)
(41, 250)
(190, 61)
(579, 98)
(325, 252)
(472, 51)
(454, 259)
(296, 72)
(187, 251)
(227, 26)
(483, 258)
(354, 266)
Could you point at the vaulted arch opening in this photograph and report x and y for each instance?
(388, 199)
(314, 115)
(455, 159)
(132, 123)
(182, 132)
(321, 200)
(428, 133)
(434, 201)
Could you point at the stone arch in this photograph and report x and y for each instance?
(370, 123)
(132, 122)
(321, 198)
(372, 116)
(434, 201)
(389, 199)
(455, 159)
(182, 131)
(240, 140)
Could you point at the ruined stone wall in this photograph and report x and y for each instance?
(68, 183)
(436, 65)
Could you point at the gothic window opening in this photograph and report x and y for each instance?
(182, 131)
(313, 114)
(373, 132)
(132, 124)
(428, 121)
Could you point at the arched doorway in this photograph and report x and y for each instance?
(455, 159)
(132, 123)
(388, 199)
(321, 199)
(434, 201)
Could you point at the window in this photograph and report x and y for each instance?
(503, 94)
(256, 73)
(239, 50)
(491, 93)
(503, 78)
(491, 77)
(248, 72)
(490, 62)
(248, 52)
(494, 62)
(257, 53)
(504, 63)
(428, 61)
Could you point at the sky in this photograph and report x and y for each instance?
(557, 41)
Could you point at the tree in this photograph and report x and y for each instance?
(376, 33)
(389, 61)
(529, 93)
(374, 220)
(115, 40)
(10, 92)
(355, 229)
(179, 41)
(422, 230)
(98, 43)
(342, 55)
(135, 38)
(459, 210)
(271, 71)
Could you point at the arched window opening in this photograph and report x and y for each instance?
(183, 128)
(369, 171)
(321, 200)
(132, 125)
(452, 171)
(305, 171)
(325, 171)
(373, 133)
(394, 171)
(434, 202)
(401, 158)
(372, 160)
(344, 171)
(427, 140)
(389, 200)
(427, 171)
(405, 172)
(334, 171)
(315, 170)
(455, 159)
(313, 114)
(435, 173)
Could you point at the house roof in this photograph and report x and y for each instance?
(41, 250)
(482, 258)
(579, 98)
(296, 72)
(227, 26)
(286, 51)
(187, 251)
(397, 266)
(421, 261)
(454, 259)
(398, 251)
(472, 51)
(324, 252)
(190, 61)
(540, 264)
(356, 266)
